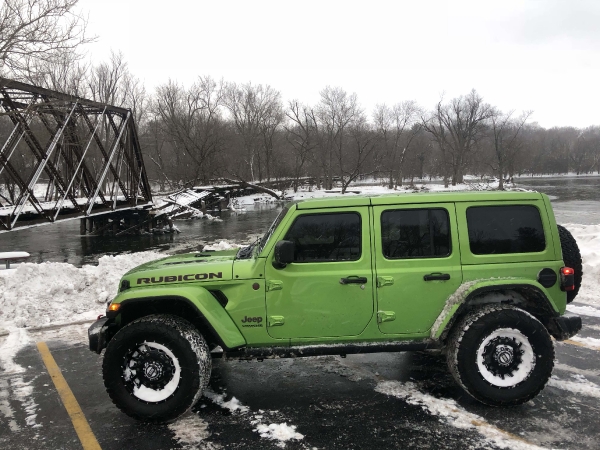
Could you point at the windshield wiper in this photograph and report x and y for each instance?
(246, 252)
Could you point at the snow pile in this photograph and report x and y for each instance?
(453, 414)
(281, 432)
(588, 241)
(191, 432)
(223, 245)
(15, 341)
(41, 294)
(232, 405)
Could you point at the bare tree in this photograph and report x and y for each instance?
(301, 132)
(39, 30)
(62, 74)
(397, 127)
(256, 112)
(457, 126)
(193, 122)
(505, 136)
(336, 112)
(352, 158)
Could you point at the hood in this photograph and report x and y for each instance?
(185, 268)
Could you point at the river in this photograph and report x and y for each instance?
(575, 200)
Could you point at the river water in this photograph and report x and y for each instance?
(575, 200)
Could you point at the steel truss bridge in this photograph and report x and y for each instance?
(63, 157)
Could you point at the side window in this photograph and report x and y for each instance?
(415, 233)
(496, 230)
(326, 237)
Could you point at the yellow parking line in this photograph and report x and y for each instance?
(82, 428)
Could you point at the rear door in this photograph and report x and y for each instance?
(417, 264)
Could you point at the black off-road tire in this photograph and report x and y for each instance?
(176, 337)
(572, 259)
(498, 324)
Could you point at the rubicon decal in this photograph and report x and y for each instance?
(174, 278)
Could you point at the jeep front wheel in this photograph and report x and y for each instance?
(156, 367)
(501, 355)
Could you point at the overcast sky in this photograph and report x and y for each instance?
(539, 55)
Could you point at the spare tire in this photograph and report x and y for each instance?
(572, 258)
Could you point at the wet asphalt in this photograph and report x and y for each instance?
(332, 402)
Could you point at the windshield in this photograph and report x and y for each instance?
(248, 251)
(274, 225)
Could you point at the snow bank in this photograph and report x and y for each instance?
(41, 294)
(588, 240)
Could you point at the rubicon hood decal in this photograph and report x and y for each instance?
(175, 278)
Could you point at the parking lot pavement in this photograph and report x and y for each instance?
(405, 400)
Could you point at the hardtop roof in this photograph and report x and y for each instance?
(350, 200)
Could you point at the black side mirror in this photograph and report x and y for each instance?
(284, 254)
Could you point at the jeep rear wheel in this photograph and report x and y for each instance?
(572, 259)
(156, 368)
(501, 355)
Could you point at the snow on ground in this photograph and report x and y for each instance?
(450, 411)
(281, 432)
(580, 386)
(589, 342)
(191, 432)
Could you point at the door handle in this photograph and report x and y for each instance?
(353, 280)
(436, 276)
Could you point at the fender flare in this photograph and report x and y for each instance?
(209, 310)
(471, 289)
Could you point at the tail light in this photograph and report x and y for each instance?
(567, 279)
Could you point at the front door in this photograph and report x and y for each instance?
(328, 290)
(417, 264)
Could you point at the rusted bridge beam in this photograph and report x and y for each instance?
(65, 157)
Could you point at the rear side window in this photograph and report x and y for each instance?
(496, 230)
(415, 233)
(326, 237)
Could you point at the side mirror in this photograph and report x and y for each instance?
(284, 254)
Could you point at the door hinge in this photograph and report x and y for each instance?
(274, 285)
(385, 316)
(385, 281)
(276, 321)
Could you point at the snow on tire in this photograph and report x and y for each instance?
(572, 259)
(156, 368)
(501, 355)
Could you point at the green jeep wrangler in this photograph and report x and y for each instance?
(485, 276)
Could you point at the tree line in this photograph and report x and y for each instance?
(214, 129)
